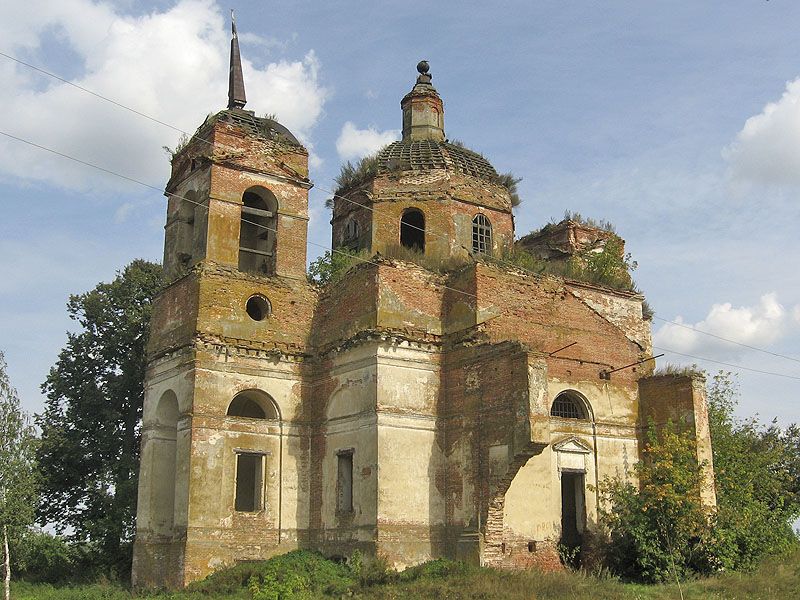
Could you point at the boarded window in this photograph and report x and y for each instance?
(344, 481)
(249, 482)
(481, 235)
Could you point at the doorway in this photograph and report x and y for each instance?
(573, 515)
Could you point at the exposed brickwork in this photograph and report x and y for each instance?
(438, 386)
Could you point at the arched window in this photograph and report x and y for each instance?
(251, 465)
(481, 235)
(412, 230)
(253, 404)
(257, 231)
(568, 406)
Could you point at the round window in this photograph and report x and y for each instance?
(258, 307)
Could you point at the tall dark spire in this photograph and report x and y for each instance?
(236, 95)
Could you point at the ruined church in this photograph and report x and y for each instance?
(466, 412)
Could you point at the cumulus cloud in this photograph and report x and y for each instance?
(354, 143)
(172, 65)
(758, 325)
(765, 150)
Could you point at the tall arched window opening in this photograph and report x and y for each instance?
(251, 465)
(481, 235)
(257, 232)
(412, 230)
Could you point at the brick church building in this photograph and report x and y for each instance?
(465, 412)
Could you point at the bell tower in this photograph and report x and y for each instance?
(235, 263)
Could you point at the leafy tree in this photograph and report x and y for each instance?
(331, 266)
(89, 451)
(659, 530)
(17, 475)
(757, 471)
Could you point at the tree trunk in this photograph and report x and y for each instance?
(6, 564)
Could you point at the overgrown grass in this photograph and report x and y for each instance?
(681, 370)
(351, 175)
(437, 264)
(303, 575)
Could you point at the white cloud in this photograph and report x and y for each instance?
(354, 143)
(758, 326)
(796, 314)
(172, 65)
(766, 149)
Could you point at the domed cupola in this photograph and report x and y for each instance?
(424, 192)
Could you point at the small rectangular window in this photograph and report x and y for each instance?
(344, 481)
(249, 482)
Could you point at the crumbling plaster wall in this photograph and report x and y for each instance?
(349, 425)
(411, 504)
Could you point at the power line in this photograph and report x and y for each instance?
(719, 337)
(179, 197)
(88, 91)
(719, 362)
(359, 259)
(441, 235)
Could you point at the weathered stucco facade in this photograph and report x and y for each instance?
(399, 411)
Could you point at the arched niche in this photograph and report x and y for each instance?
(253, 404)
(257, 231)
(163, 464)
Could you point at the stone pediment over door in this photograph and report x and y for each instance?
(572, 454)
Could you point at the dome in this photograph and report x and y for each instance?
(253, 125)
(427, 155)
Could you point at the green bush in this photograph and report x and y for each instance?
(659, 531)
(297, 575)
(39, 556)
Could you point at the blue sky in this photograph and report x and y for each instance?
(677, 121)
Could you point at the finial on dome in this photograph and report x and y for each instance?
(236, 95)
(422, 68)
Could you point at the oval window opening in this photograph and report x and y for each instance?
(258, 308)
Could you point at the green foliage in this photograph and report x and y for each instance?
(352, 175)
(39, 556)
(757, 472)
(589, 221)
(297, 575)
(89, 450)
(183, 141)
(679, 370)
(609, 268)
(510, 182)
(647, 311)
(17, 458)
(17, 468)
(775, 578)
(331, 266)
(660, 530)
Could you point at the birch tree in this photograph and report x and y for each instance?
(17, 475)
